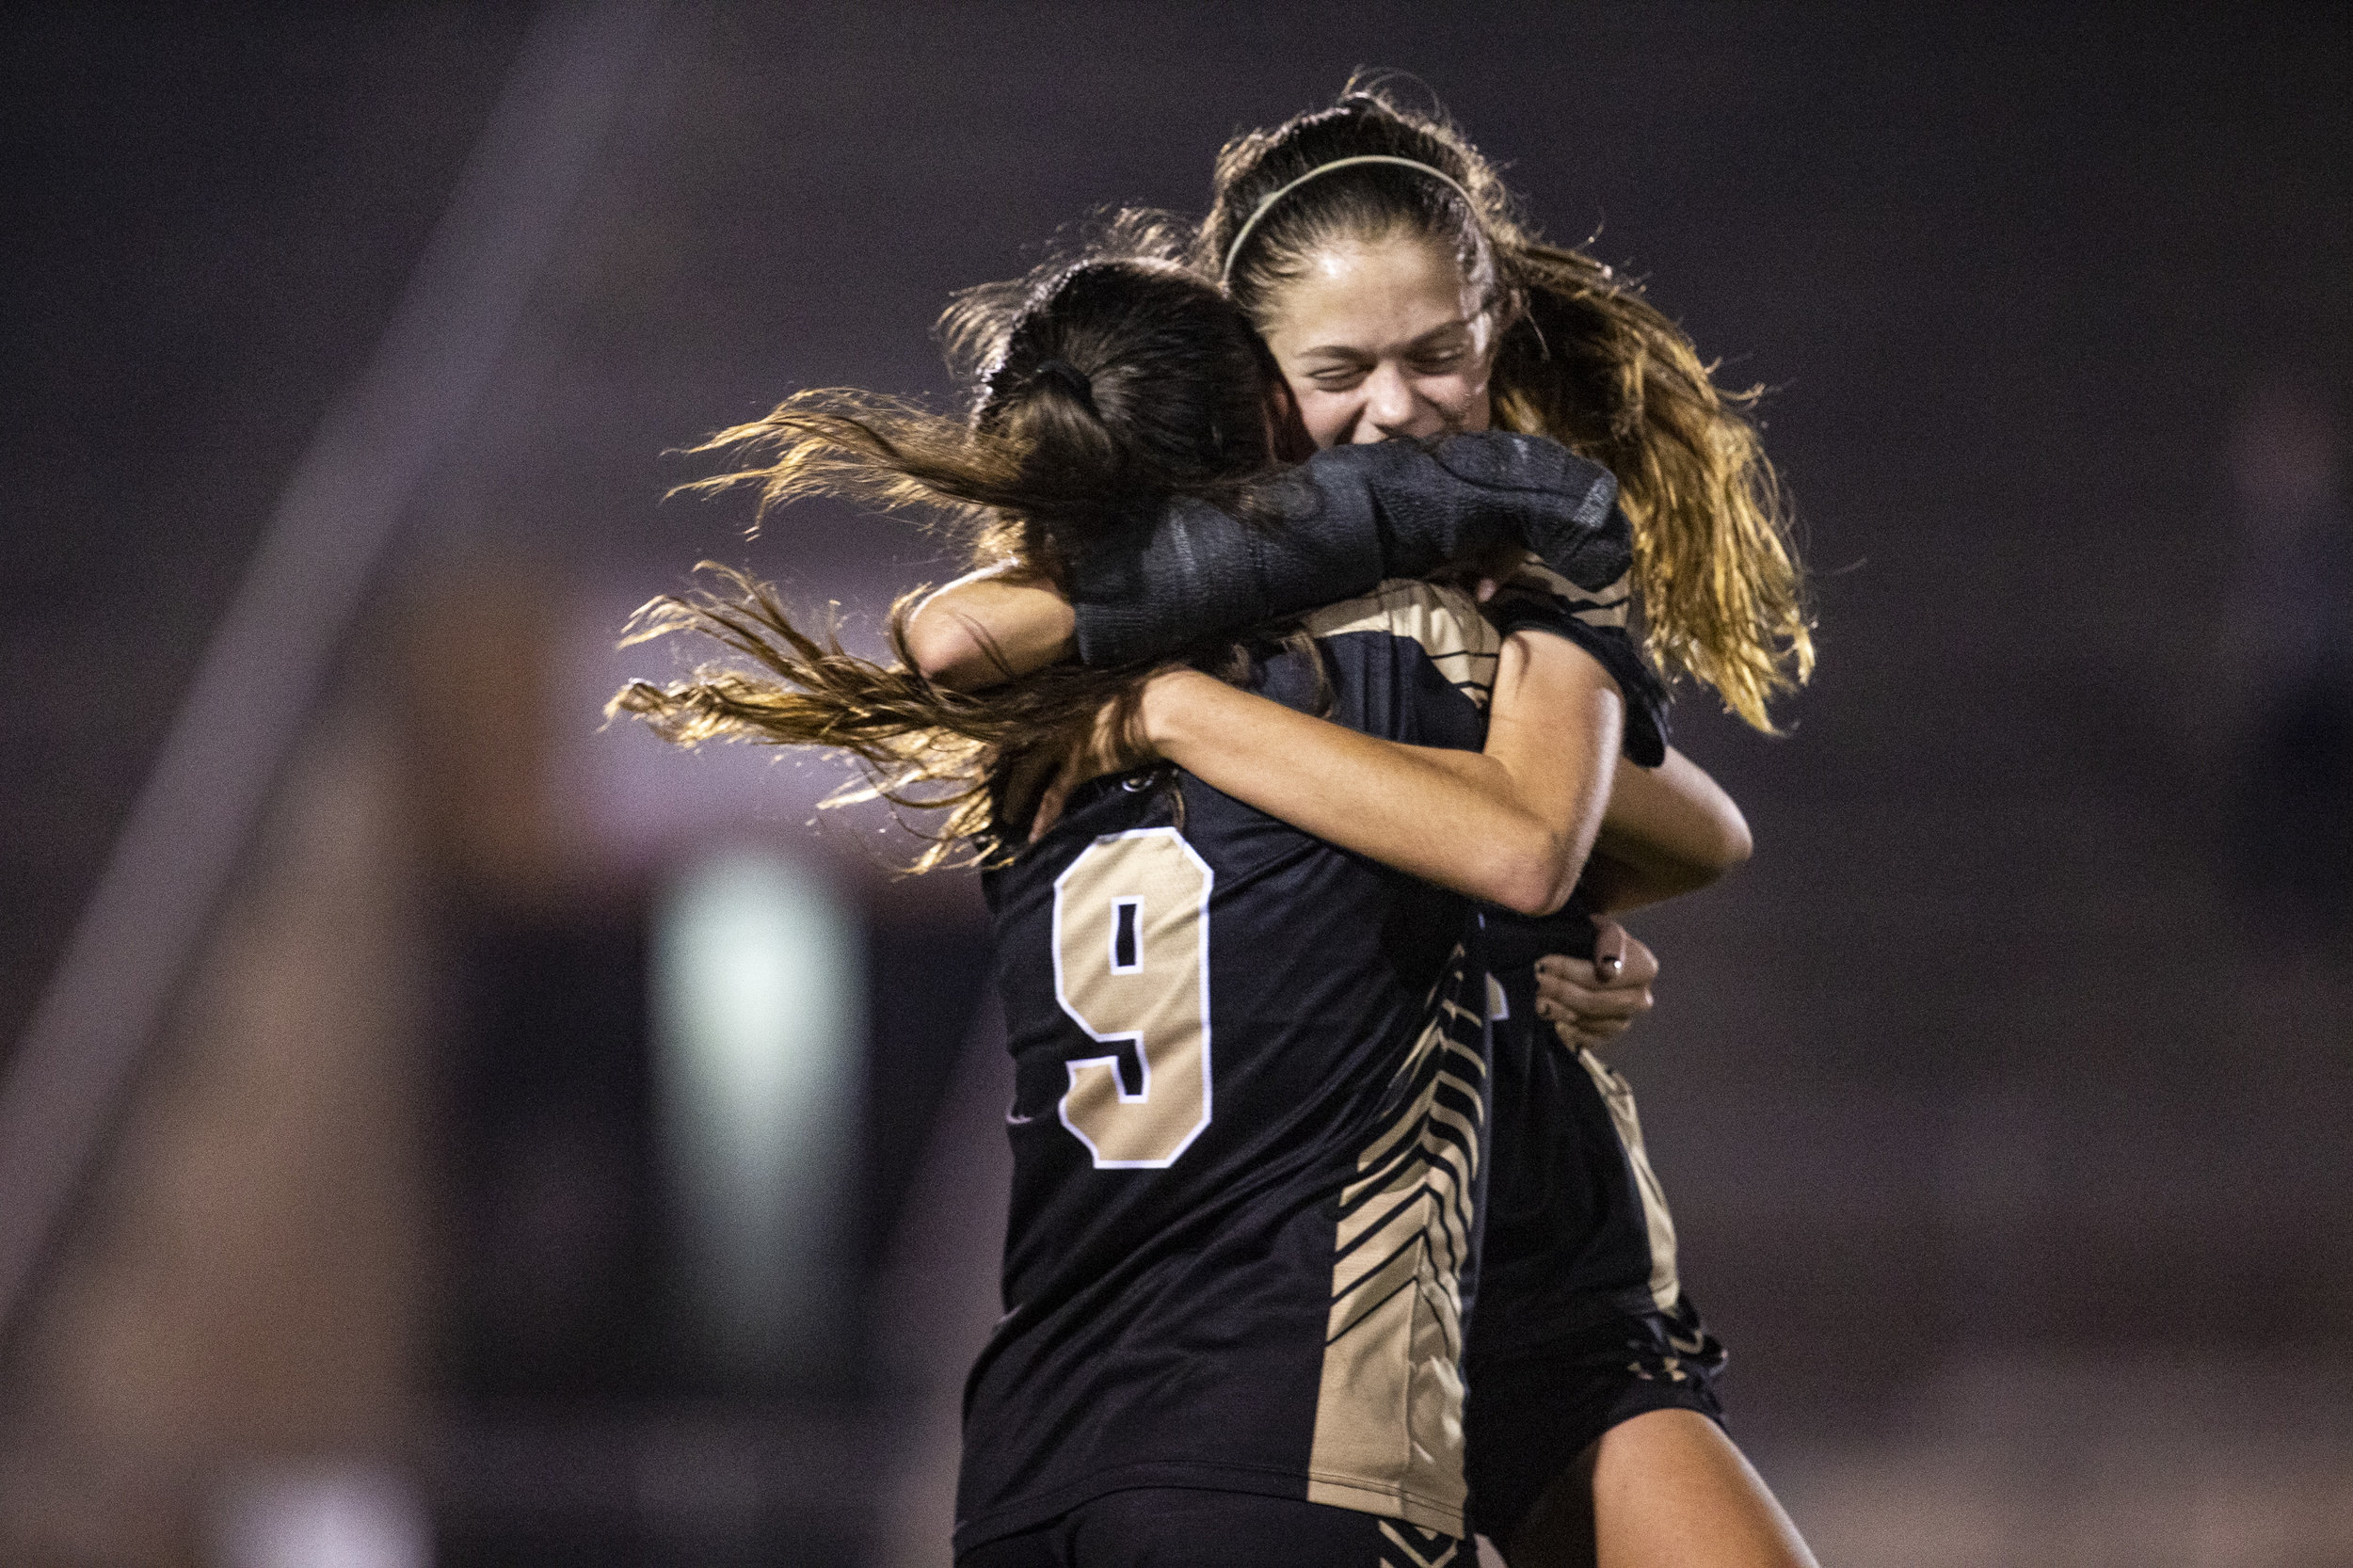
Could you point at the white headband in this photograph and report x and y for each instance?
(1260, 210)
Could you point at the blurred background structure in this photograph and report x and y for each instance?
(531, 1145)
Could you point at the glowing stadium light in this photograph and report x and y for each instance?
(326, 1516)
(759, 1029)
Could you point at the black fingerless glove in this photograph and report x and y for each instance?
(1350, 518)
(1586, 545)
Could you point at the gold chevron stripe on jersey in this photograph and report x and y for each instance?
(1607, 607)
(1388, 1434)
(1443, 620)
(1665, 1287)
(1431, 1551)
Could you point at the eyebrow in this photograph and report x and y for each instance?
(1346, 351)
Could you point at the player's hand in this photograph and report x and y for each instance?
(1591, 1005)
(1110, 746)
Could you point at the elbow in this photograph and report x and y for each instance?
(1708, 856)
(1537, 879)
(1732, 847)
(1535, 901)
(944, 649)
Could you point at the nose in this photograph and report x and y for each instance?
(1390, 406)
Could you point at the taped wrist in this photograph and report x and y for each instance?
(1160, 583)
(1349, 518)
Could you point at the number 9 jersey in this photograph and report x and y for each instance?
(1250, 1091)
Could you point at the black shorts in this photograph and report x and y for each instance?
(1533, 1414)
(1177, 1527)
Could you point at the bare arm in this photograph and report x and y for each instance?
(1668, 831)
(1511, 824)
(989, 627)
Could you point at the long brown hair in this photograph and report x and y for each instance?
(1584, 359)
(1100, 386)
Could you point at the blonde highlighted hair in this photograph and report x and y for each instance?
(1584, 359)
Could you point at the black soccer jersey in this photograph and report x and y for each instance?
(1578, 1231)
(1249, 1086)
(1582, 1322)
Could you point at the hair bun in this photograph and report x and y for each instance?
(1069, 378)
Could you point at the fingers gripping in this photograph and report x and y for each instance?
(1590, 1003)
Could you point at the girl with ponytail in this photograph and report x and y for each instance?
(1100, 386)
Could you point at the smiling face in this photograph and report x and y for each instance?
(1381, 339)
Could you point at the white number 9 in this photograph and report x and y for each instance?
(1131, 965)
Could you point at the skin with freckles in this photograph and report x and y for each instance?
(1383, 340)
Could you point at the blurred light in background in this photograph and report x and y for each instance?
(759, 1035)
(328, 1516)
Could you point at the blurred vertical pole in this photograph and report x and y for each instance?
(272, 651)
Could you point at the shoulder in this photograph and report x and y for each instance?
(1401, 607)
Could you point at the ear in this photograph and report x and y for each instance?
(1506, 313)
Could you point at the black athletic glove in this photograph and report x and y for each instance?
(1356, 515)
(1350, 518)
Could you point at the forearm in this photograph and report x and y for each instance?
(1613, 885)
(1444, 816)
(988, 628)
(1351, 516)
(1511, 825)
(1668, 830)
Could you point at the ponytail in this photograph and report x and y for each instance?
(952, 757)
(1595, 365)
(1102, 386)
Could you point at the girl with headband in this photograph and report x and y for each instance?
(1379, 256)
(1250, 1062)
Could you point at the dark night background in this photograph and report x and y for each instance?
(2005, 1100)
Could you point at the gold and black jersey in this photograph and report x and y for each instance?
(1578, 1231)
(1582, 1320)
(1249, 1100)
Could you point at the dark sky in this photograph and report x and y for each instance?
(2009, 270)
